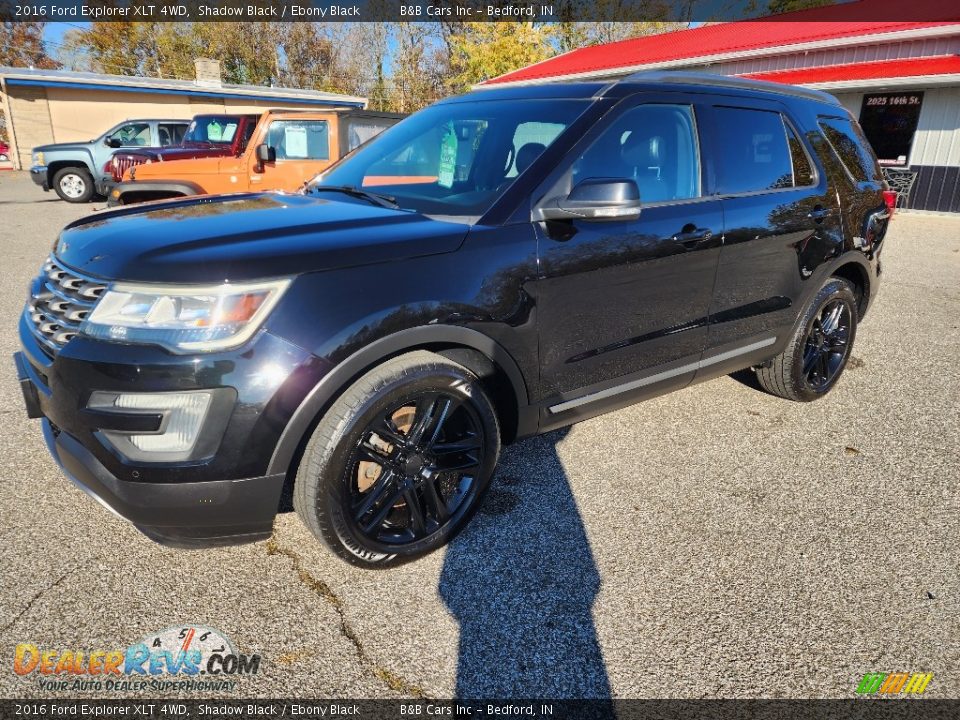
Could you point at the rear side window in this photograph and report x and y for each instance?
(171, 133)
(849, 143)
(362, 129)
(753, 152)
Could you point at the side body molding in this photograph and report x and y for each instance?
(411, 339)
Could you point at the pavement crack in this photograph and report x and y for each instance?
(42, 591)
(326, 593)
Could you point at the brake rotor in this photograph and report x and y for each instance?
(368, 471)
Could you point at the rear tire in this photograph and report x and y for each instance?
(73, 184)
(818, 351)
(400, 462)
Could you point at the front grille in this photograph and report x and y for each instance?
(61, 301)
(122, 163)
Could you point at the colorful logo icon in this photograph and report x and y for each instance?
(894, 683)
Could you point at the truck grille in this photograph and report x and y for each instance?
(62, 299)
(122, 163)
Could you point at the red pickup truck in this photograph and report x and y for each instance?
(207, 136)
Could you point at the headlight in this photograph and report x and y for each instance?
(185, 318)
(38, 158)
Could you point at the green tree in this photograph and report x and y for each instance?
(21, 45)
(482, 50)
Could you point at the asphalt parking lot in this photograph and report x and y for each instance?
(716, 542)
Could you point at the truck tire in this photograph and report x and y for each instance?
(73, 184)
(400, 462)
(818, 351)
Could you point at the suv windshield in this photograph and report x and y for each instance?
(455, 158)
(206, 129)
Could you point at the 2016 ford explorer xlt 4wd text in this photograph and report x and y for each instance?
(495, 266)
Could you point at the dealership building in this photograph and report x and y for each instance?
(49, 106)
(900, 79)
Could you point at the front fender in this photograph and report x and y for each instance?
(325, 391)
(55, 158)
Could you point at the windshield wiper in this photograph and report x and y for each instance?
(376, 198)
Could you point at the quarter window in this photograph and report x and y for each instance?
(656, 145)
(802, 170)
(300, 139)
(849, 143)
(752, 151)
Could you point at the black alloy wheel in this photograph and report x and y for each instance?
(413, 469)
(400, 462)
(827, 345)
(819, 347)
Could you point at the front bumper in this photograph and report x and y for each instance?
(38, 173)
(191, 515)
(104, 186)
(225, 498)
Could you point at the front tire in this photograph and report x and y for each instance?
(73, 184)
(818, 351)
(400, 462)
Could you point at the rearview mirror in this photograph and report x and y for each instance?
(595, 199)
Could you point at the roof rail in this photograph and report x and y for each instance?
(685, 77)
(329, 108)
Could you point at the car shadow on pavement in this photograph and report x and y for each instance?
(521, 581)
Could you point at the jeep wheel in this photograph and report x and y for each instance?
(73, 184)
(818, 352)
(400, 462)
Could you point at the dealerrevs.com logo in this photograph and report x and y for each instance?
(191, 657)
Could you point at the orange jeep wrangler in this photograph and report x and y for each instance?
(287, 148)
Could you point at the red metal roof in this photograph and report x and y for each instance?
(739, 37)
(913, 67)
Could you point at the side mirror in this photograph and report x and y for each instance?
(113, 142)
(266, 154)
(595, 199)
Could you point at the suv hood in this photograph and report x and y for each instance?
(213, 239)
(180, 152)
(54, 147)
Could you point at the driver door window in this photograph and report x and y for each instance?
(300, 139)
(132, 135)
(302, 148)
(655, 145)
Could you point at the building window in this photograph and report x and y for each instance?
(889, 121)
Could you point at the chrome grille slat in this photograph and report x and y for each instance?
(55, 290)
(62, 301)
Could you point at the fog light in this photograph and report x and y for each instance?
(183, 418)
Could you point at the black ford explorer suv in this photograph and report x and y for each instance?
(495, 266)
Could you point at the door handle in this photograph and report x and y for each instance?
(818, 214)
(691, 236)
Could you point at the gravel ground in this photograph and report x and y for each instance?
(714, 542)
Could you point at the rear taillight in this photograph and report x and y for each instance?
(108, 166)
(890, 200)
